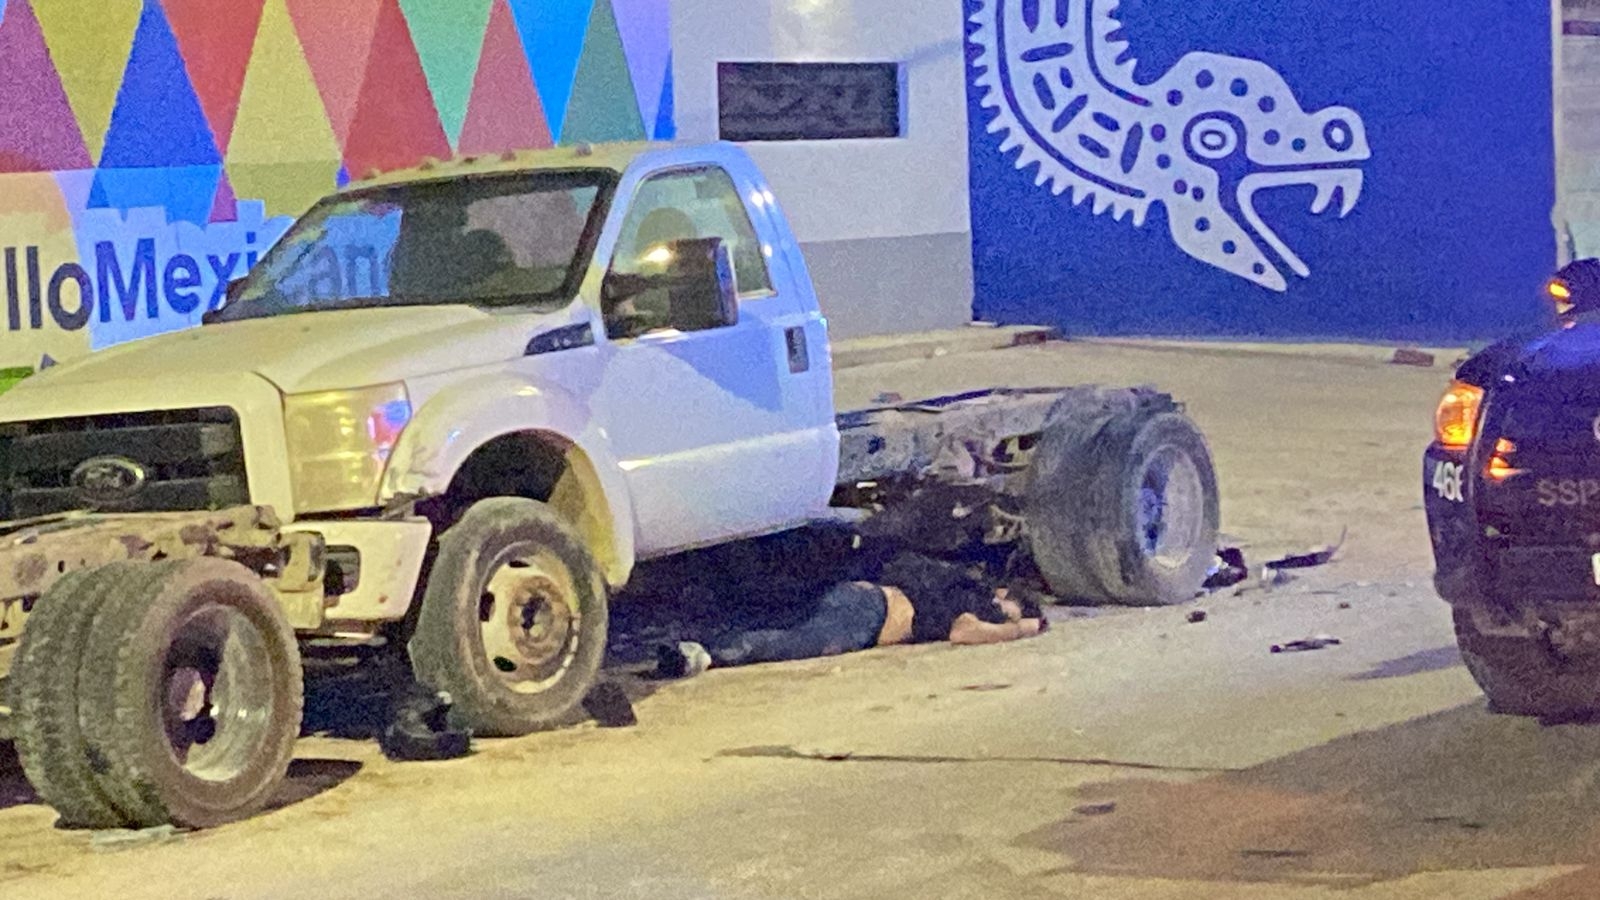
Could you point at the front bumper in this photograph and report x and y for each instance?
(389, 555)
(292, 560)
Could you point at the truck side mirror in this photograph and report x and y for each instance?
(230, 295)
(695, 275)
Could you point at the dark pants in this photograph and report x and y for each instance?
(848, 618)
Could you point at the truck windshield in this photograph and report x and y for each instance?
(504, 240)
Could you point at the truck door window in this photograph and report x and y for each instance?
(683, 205)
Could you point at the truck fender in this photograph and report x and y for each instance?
(452, 424)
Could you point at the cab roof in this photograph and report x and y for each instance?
(615, 156)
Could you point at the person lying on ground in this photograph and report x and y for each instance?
(921, 600)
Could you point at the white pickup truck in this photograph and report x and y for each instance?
(449, 411)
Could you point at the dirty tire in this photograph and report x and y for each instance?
(1520, 677)
(513, 620)
(1121, 503)
(191, 695)
(44, 695)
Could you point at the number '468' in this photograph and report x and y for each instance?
(1447, 481)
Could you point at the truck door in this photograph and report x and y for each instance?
(716, 427)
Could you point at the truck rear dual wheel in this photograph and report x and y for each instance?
(185, 686)
(1522, 677)
(1121, 503)
(513, 620)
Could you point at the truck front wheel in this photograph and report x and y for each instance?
(1121, 503)
(1522, 677)
(513, 620)
(190, 694)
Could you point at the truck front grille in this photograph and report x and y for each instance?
(1552, 444)
(171, 461)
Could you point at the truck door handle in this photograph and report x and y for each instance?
(799, 352)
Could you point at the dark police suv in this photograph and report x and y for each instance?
(1513, 501)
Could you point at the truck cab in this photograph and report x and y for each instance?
(422, 334)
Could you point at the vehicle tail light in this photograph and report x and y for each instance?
(1456, 422)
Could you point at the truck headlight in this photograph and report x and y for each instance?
(339, 443)
(1456, 422)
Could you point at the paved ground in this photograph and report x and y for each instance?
(1125, 754)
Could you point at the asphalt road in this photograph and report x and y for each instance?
(1127, 753)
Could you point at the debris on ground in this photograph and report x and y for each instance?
(1096, 809)
(888, 397)
(1311, 643)
(115, 839)
(418, 727)
(1035, 336)
(1273, 578)
(1407, 356)
(1309, 560)
(1197, 616)
(1228, 570)
(609, 706)
(1344, 604)
(1276, 573)
(988, 686)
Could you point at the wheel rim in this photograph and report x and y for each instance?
(1171, 508)
(217, 693)
(528, 617)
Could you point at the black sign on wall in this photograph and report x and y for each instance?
(808, 101)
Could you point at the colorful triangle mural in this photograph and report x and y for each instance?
(38, 131)
(40, 195)
(505, 113)
(337, 37)
(187, 192)
(280, 122)
(215, 38)
(666, 128)
(448, 35)
(90, 43)
(157, 120)
(75, 185)
(552, 37)
(395, 123)
(285, 189)
(2, 12)
(644, 26)
(603, 105)
(224, 206)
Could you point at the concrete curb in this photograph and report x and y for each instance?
(1369, 354)
(880, 349)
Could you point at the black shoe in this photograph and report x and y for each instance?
(681, 660)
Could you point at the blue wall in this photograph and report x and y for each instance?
(1443, 109)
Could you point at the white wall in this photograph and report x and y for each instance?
(1578, 131)
(885, 222)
